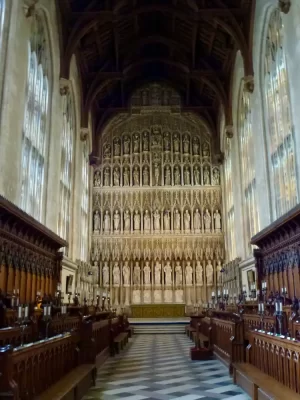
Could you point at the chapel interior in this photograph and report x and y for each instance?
(149, 199)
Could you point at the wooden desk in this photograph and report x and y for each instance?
(158, 310)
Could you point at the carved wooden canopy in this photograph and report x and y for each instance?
(189, 44)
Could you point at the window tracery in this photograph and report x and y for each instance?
(279, 123)
(35, 127)
(229, 201)
(248, 168)
(66, 166)
(84, 204)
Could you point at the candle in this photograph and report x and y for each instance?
(20, 312)
(262, 307)
(276, 306)
(280, 306)
(49, 311)
(26, 311)
(219, 293)
(213, 294)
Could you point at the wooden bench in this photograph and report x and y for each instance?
(120, 341)
(189, 330)
(203, 340)
(73, 386)
(259, 385)
(130, 331)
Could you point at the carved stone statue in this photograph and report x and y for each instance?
(106, 176)
(147, 222)
(216, 177)
(167, 220)
(217, 218)
(188, 273)
(187, 176)
(167, 175)
(126, 144)
(178, 274)
(176, 175)
(156, 174)
(156, 217)
(205, 150)
(195, 146)
(117, 147)
(136, 176)
(157, 273)
(106, 222)
(147, 272)
(117, 218)
(168, 273)
(219, 273)
(136, 143)
(126, 177)
(116, 177)
(199, 273)
(136, 274)
(176, 143)
(207, 221)
(126, 274)
(127, 220)
(145, 141)
(167, 144)
(209, 274)
(105, 274)
(137, 221)
(176, 220)
(186, 144)
(116, 274)
(196, 176)
(146, 176)
(97, 179)
(206, 176)
(187, 220)
(197, 220)
(96, 221)
(107, 151)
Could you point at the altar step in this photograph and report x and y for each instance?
(158, 326)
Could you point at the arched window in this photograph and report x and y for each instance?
(35, 128)
(68, 135)
(229, 201)
(2, 13)
(279, 124)
(84, 205)
(248, 169)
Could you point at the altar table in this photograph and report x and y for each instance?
(157, 310)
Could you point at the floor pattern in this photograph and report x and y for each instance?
(158, 367)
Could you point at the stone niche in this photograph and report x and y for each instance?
(157, 223)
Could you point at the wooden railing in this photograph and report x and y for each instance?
(279, 358)
(253, 321)
(31, 369)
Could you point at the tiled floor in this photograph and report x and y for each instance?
(158, 367)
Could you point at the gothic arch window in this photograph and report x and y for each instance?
(248, 168)
(84, 205)
(2, 15)
(229, 201)
(67, 145)
(36, 121)
(281, 145)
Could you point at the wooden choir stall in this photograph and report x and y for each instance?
(259, 340)
(48, 350)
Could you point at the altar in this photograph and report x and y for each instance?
(157, 310)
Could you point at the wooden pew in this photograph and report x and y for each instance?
(119, 337)
(272, 370)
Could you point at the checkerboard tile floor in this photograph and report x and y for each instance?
(158, 367)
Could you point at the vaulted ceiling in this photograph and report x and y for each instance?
(189, 44)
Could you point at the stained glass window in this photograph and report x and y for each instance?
(66, 166)
(35, 127)
(84, 205)
(248, 168)
(281, 143)
(229, 202)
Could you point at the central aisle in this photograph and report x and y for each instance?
(159, 367)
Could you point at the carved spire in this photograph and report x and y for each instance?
(229, 131)
(249, 83)
(30, 7)
(284, 5)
